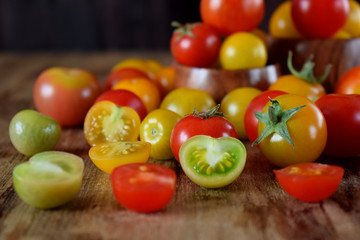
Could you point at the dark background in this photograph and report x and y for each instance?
(40, 25)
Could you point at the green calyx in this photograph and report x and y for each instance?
(183, 30)
(208, 114)
(307, 71)
(275, 121)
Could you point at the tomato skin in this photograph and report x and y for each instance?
(123, 73)
(349, 82)
(256, 105)
(320, 18)
(341, 112)
(200, 50)
(229, 16)
(143, 187)
(65, 94)
(310, 182)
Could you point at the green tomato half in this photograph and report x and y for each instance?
(212, 162)
(49, 179)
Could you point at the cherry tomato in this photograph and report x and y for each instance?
(349, 82)
(106, 122)
(123, 73)
(49, 179)
(143, 187)
(165, 80)
(124, 98)
(310, 182)
(234, 105)
(208, 123)
(295, 133)
(65, 94)
(184, 100)
(148, 66)
(156, 129)
(353, 21)
(143, 88)
(243, 50)
(107, 156)
(230, 16)
(320, 18)
(195, 44)
(341, 112)
(212, 162)
(256, 105)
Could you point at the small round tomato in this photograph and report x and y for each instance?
(353, 21)
(310, 182)
(229, 16)
(195, 44)
(156, 129)
(212, 162)
(349, 82)
(165, 80)
(243, 50)
(106, 122)
(123, 73)
(124, 98)
(234, 106)
(65, 94)
(143, 187)
(293, 132)
(108, 156)
(49, 179)
(149, 66)
(32, 132)
(211, 123)
(184, 100)
(143, 88)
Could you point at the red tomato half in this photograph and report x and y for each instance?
(143, 187)
(123, 73)
(310, 182)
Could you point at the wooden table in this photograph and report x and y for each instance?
(252, 207)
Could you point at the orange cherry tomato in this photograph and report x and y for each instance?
(149, 66)
(165, 79)
(349, 82)
(123, 73)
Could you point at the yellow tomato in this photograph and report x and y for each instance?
(151, 67)
(352, 25)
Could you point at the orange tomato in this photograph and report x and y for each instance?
(349, 82)
(165, 79)
(151, 67)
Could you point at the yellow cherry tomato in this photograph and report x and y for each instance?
(352, 25)
(151, 67)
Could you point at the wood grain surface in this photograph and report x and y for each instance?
(252, 207)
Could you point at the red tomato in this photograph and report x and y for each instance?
(123, 73)
(257, 105)
(143, 187)
(319, 18)
(230, 16)
(65, 94)
(195, 44)
(200, 124)
(126, 98)
(341, 112)
(349, 82)
(310, 182)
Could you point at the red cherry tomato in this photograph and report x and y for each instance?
(319, 18)
(123, 73)
(125, 98)
(143, 187)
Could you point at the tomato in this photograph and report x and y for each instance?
(230, 16)
(184, 100)
(143, 187)
(210, 123)
(234, 105)
(341, 112)
(124, 98)
(349, 82)
(108, 156)
(123, 73)
(149, 66)
(310, 182)
(165, 80)
(156, 129)
(320, 18)
(243, 50)
(49, 179)
(295, 133)
(65, 94)
(106, 122)
(143, 88)
(281, 24)
(353, 21)
(212, 162)
(32, 132)
(195, 44)
(256, 105)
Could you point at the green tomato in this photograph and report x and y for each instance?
(32, 132)
(212, 162)
(49, 179)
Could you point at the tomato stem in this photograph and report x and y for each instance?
(183, 30)
(208, 114)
